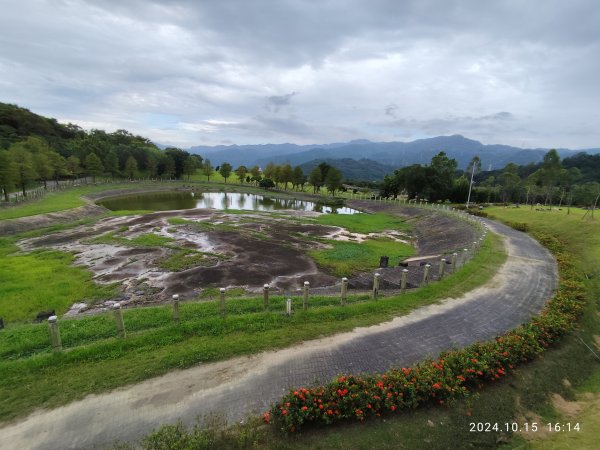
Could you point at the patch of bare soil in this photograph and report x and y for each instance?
(14, 226)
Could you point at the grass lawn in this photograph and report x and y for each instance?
(348, 258)
(97, 360)
(364, 223)
(42, 280)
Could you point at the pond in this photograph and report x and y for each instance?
(167, 201)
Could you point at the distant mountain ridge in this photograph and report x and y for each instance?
(390, 154)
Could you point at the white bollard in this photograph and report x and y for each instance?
(344, 294)
(403, 280)
(54, 334)
(222, 300)
(376, 285)
(119, 320)
(176, 307)
(266, 296)
(305, 295)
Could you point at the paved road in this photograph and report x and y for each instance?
(235, 388)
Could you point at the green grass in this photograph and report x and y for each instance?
(60, 200)
(143, 240)
(348, 258)
(183, 259)
(97, 360)
(42, 280)
(364, 223)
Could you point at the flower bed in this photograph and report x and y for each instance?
(454, 374)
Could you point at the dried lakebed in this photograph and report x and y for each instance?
(188, 252)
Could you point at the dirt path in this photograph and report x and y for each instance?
(241, 386)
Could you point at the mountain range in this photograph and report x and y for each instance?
(379, 157)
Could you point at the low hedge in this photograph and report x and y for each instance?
(454, 374)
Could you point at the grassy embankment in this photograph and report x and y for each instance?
(570, 370)
(97, 360)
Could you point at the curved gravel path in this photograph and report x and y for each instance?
(235, 388)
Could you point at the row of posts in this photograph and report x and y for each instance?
(120, 324)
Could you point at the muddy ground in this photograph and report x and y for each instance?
(236, 251)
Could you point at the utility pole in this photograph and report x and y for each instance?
(471, 184)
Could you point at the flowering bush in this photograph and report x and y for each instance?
(452, 375)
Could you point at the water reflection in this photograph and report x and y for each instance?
(166, 201)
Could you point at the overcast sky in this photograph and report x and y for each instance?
(524, 73)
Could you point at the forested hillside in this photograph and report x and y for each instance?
(37, 149)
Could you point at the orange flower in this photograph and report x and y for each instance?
(437, 386)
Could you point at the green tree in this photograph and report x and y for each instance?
(333, 181)
(58, 164)
(179, 157)
(111, 164)
(7, 173)
(240, 173)
(167, 167)
(74, 166)
(286, 175)
(93, 166)
(152, 166)
(190, 166)
(131, 167)
(510, 182)
(255, 172)
(440, 177)
(207, 169)
(23, 166)
(269, 171)
(225, 170)
(298, 178)
(315, 179)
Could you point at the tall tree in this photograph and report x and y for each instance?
(168, 167)
(190, 166)
(131, 167)
(298, 178)
(255, 172)
(152, 166)
(315, 179)
(207, 169)
(225, 170)
(333, 181)
(59, 166)
(93, 166)
(240, 173)
(74, 166)
(286, 174)
(111, 164)
(23, 166)
(7, 173)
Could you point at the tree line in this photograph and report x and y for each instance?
(551, 181)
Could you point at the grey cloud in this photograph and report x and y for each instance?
(276, 102)
(390, 110)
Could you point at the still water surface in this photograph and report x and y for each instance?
(167, 201)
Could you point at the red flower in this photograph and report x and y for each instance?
(296, 393)
(267, 417)
(330, 412)
(284, 412)
(393, 408)
(320, 406)
(304, 408)
(437, 386)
